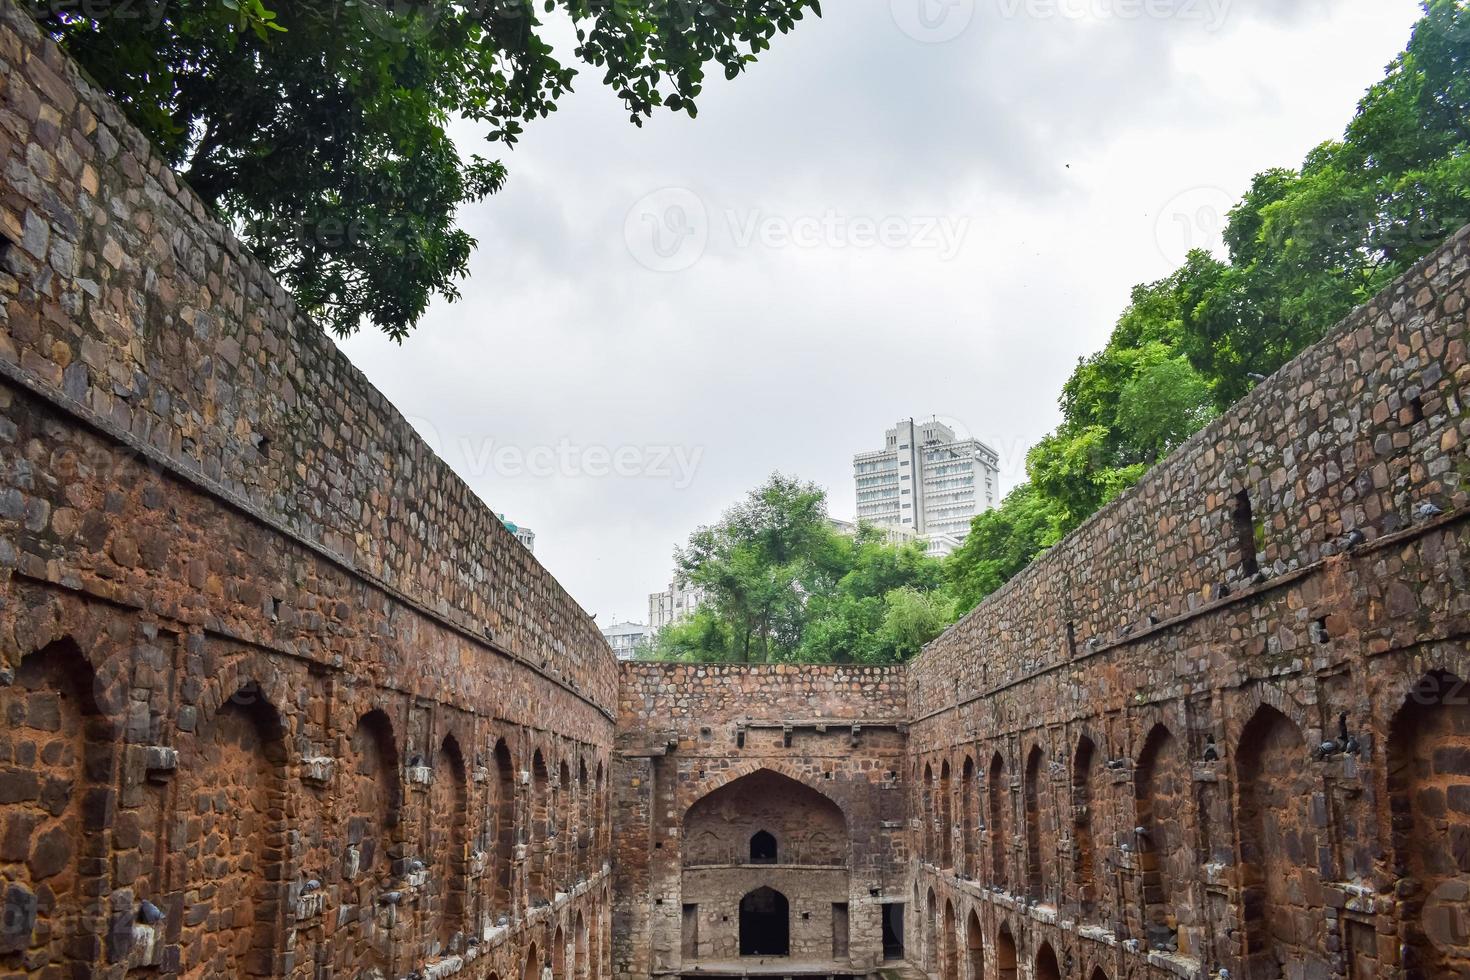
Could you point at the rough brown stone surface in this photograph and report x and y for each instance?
(281, 698)
(1215, 728)
(709, 756)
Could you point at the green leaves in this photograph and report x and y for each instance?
(318, 129)
(782, 585)
(1305, 246)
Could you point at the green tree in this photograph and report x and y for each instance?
(319, 130)
(1001, 542)
(911, 618)
(1307, 246)
(781, 584)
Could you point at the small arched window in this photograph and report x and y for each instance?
(762, 848)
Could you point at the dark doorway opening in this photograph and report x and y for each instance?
(893, 931)
(765, 924)
(762, 848)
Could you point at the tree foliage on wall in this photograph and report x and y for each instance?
(318, 130)
(1304, 248)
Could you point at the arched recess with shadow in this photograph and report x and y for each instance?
(765, 923)
(371, 785)
(1005, 953)
(1046, 963)
(932, 935)
(503, 829)
(761, 828)
(581, 964)
(1278, 848)
(1428, 768)
(583, 839)
(1162, 795)
(928, 818)
(975, 948)
(806, 826)
(1036, 861)
(233, 774)
(563, 815)
(532, 968)
(951, 955)
(999, 791)
(1098, 973)
(969, 818)
(559, 955)
(1087, 796)
(56, 741)
(946, 821)
(538, 864)
(763, 848)
(448, 817)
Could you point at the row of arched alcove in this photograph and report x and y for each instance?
(242, 853)
(1284, 814)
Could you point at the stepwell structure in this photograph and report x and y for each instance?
(281, 698)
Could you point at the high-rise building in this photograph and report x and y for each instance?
(673, 605)
(628, 640)
(928, 481)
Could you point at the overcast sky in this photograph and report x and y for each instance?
(906, 208)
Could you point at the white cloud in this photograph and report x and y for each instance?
(1073, 151)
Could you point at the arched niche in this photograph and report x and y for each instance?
(808, 827)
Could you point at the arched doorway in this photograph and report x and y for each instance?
(1428, 778)
(765, 924)
(1005, 953)
(951, 955)
(1046, 963)
(975, 947)
(762, 848)
(1278, 850)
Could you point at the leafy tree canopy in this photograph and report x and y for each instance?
(781, 584)
(319, 129)
(1305, 246)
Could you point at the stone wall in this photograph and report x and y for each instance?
(708, 755)
(1222, 725)
(281, 696)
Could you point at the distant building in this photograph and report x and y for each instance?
(927, 481)
(628, 640)
(524, 535)
(673, 605)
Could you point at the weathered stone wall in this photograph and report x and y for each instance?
(1216, 727)
(281, 697)
(704, 753)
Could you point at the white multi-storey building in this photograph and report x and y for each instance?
(524, 535)
(926, 480)
(673, 605)
(628, 640)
